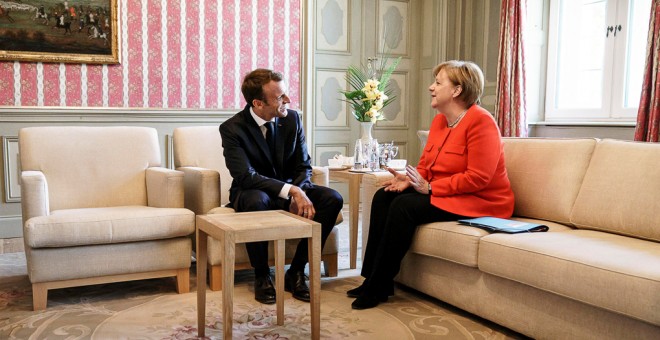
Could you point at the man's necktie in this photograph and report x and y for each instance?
(270, 137)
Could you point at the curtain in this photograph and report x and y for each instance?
(648, 114)
(510, 105)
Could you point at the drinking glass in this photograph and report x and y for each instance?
(394, 150)
(359, 155)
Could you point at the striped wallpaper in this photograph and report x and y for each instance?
(174, 54)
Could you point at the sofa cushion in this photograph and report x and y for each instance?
(455, 242)
(77, 227)
(546, 174)
(449, 241)
(614, 272)
(619, 193)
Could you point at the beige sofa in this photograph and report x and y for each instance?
(594, 275)
(198, 154)
(98, 208)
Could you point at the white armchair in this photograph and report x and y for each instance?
(98, 208)
(198, 154)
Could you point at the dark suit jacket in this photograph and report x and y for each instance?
(248, 157)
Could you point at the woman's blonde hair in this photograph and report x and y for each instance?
(466, 74)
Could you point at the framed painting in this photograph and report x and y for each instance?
(80, 31)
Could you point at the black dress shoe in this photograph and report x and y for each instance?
(264, 290)
(366, 302)
(294, 282)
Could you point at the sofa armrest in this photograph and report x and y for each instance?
(371, 182)
(320, 176)
(164, 188)
(34, 195)
(202, 189)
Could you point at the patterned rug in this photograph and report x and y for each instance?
(151, 309)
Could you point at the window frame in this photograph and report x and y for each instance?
(614, 66)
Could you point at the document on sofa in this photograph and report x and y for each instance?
(495, 224)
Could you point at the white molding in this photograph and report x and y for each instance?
(11, 169)
(307, 12)
(103, 114)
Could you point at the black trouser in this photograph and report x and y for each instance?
(327, 203)
(394, 220)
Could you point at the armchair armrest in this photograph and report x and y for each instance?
(371, 182)
(202, 189)
(320, 176)
(164, 188)
(34, 195)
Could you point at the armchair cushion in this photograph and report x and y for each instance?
(89, 167)
(77, 227)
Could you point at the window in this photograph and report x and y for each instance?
(596, 55)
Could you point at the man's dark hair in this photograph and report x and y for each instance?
(254, 81)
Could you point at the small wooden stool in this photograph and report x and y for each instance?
(275, 225)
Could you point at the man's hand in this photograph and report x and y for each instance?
(300, 203)
(399, 183)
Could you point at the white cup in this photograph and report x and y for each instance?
(334, 163)
(397, 164)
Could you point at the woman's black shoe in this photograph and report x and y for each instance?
(354, 293)
(365, 302)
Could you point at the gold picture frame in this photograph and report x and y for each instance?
(60, 31)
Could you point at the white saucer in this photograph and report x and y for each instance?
(343, 167)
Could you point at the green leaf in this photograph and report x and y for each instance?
(387, 74)
(356, 77)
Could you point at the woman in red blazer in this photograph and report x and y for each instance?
(460, 174)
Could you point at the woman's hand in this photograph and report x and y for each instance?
(399, 183)
(417, 181)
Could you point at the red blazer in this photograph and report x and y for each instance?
(465, 166)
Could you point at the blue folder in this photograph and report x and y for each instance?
(495, 224)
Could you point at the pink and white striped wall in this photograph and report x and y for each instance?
(174, 54)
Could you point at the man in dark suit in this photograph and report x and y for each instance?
(271, 170)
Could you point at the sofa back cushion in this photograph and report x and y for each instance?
(88, 167)
(546, 174)
(620, 190)
(201, 146)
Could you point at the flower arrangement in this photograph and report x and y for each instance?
(369, 94)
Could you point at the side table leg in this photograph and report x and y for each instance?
(314, 246)
(354, 213)
(201, 281)
(279, 280)
(228, 256)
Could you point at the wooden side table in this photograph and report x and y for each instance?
(354, 179)
(275, 225)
